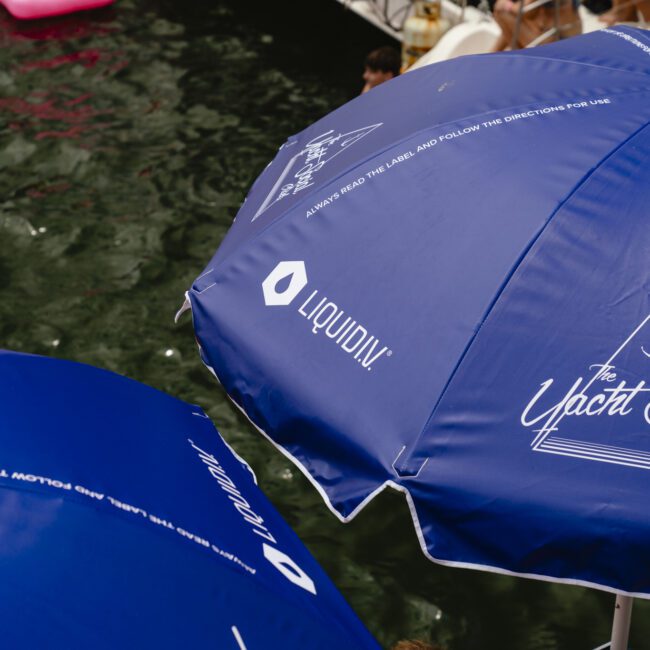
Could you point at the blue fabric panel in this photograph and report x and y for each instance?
(390, 320)
(413, 257)
(431, 96)
(549, 413)
(127, 522)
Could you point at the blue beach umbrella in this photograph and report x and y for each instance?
(444, 287)
(127, 522)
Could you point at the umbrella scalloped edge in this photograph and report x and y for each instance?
(414, 516)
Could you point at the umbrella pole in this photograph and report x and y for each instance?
(621, 624)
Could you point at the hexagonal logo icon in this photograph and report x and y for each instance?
(291, 274)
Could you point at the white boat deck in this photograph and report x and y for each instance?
(473, 31)
(385, 14)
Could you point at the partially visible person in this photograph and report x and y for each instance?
(534, 23)
(624, 11)
(415, 645)
(381, 65)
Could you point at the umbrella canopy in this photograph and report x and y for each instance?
(444, 286)
(126, 521)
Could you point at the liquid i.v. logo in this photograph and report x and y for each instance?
(322, 315)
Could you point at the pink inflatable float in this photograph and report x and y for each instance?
(30, 9)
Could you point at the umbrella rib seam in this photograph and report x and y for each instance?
(309, 197)
(403, 471)
(592, 65)
(519, 53)
(504, 55)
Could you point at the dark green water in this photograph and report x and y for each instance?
(128, 139)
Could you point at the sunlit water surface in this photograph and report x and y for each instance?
(128, 139)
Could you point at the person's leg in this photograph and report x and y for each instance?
(543, 20)
(570, 23)
(535, 23)
(643, 10)
(505, 15)
(621, 11)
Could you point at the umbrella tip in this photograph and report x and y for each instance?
(186, 306)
